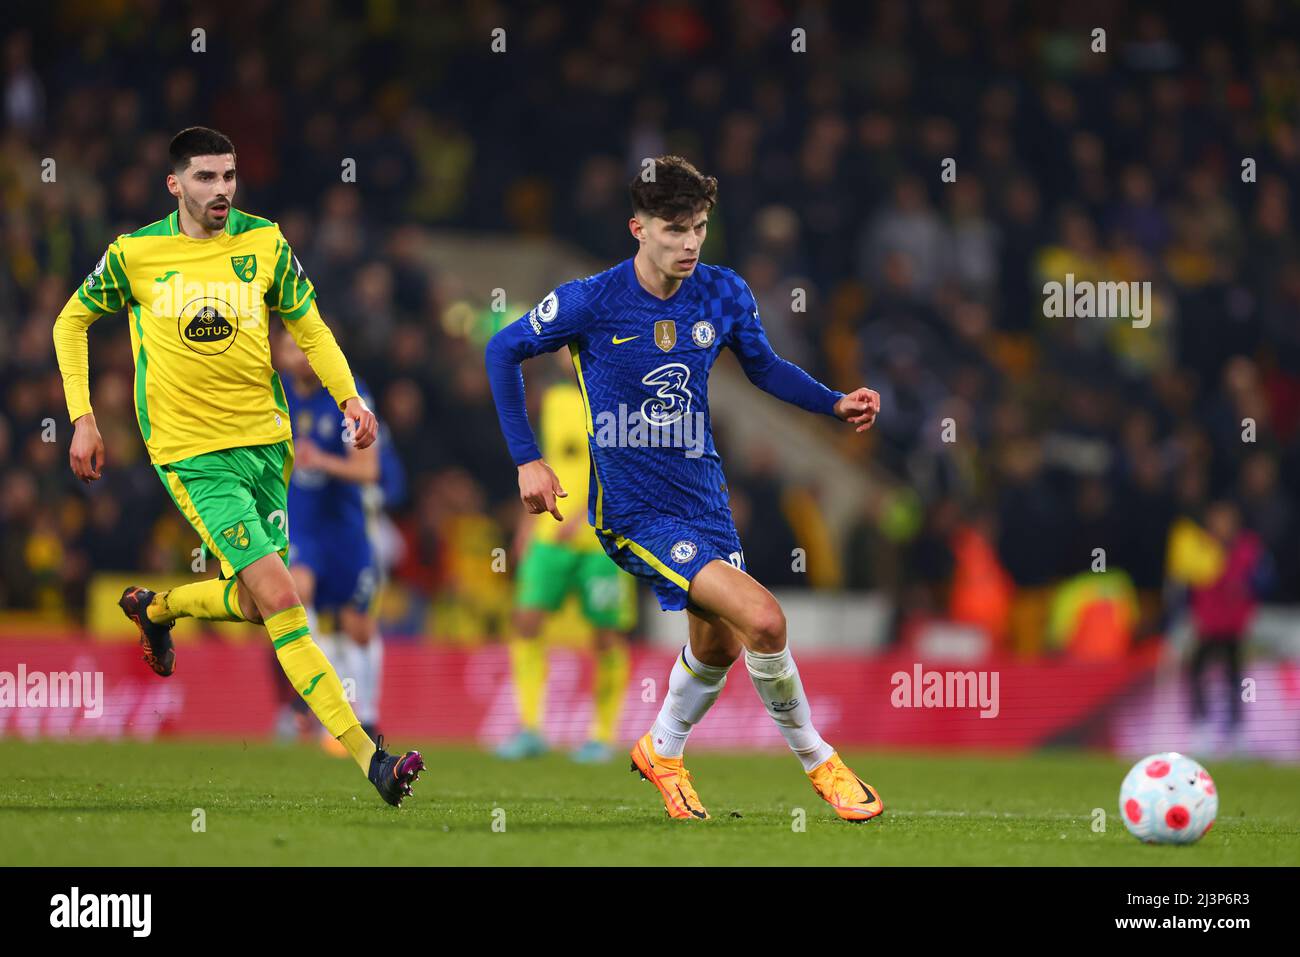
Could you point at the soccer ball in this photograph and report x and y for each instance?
(1168, 799)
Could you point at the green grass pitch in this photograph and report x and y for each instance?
(133, 804)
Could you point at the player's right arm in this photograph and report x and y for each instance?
(105, 291)
(557, 320)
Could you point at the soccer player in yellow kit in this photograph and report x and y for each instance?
(199, 287)
(558, 560)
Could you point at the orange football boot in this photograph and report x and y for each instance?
(672, 780)
(852, 798)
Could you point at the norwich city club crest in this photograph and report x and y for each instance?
(236, 535)
(245, 267)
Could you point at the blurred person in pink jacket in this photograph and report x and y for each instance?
(1222, 610)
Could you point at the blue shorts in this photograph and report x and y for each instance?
(668, 552)
(345, 570)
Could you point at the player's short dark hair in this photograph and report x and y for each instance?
(197, 141)
(677, 189)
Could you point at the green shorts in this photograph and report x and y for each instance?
(550, 570)
(236, 499)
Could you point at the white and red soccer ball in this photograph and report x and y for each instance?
(1168, 799)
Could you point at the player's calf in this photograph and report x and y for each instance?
(779, 687)
(247, 606)
(762, 623)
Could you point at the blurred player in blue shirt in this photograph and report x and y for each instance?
(643, 337)
(330, 555)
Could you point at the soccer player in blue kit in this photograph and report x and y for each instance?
(643, 336)
(330, 556)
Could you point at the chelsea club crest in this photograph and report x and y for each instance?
(683, 551)
(702, 334)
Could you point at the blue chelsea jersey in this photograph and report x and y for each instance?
(320, 505)
(643, 366)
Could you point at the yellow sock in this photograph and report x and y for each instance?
(613, 667)
(211, 600)
(528, 666)
(359, 746)
(310, 671)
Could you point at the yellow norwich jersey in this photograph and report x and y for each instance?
(564, 447)
(199, 312)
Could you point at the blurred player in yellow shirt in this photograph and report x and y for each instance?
(560, 558)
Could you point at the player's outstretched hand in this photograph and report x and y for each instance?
(539, 488)
(86, 454)
(365, 427)
(861, 406)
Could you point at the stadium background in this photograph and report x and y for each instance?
(480, 171)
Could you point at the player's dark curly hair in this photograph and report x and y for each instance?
(197, 141)
(676, 189)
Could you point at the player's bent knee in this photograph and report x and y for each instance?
(720, 656)
(766, 629)
(528, 623)
(607, 640)
(357, 626)
(716, 649)
(247, 607)
(276, 599)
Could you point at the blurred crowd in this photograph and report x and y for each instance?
(1020, 444)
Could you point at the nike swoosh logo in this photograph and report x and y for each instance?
(687, 804)
(618, 342)
(167, 275)
(312, 687)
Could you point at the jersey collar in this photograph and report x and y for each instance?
(174, 229)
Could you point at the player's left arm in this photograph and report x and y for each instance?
(785, 380)
(358, 466)
(293, 296)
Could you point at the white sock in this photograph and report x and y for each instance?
(352, 671)
(776, 679)
(692, 688)
(372, 660)
(329, 646)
